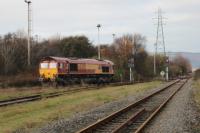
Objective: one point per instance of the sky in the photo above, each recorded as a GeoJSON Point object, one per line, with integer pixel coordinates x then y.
{"type": "Point", "coordinates": [80, 17]}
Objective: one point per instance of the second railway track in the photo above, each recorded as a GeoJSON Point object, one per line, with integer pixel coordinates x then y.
{"type": "Point", "coordinates": [133, 118]}
{"type": "Point", "coordinates": [40, 96]}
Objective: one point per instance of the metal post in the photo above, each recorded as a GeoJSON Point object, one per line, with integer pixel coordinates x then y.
{"type": "Point", "coordinates": [167, 75]}
{"type": "Point", "coordinates": [167, 68]}
{"type": "Point", "coordinates": [29, 34]}
{"type": "Point", "coordinates": [99, 47]}
{"type": "Point", "coordinates": [154, 64]}
{"type": "Point", "coordinates": [29, 31]}
{"type": "Point", "coordinates": [130, 74]}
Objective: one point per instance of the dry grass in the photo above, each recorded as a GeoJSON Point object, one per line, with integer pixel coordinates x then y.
{"type": "Point", "coordinates": [34, 114]}
{"type": "Point", "coordinates": [18, 78]}
{"type": "Point", "coordinates": [196, 85]}
{"type": "Point", "coordinates": [25, 91]}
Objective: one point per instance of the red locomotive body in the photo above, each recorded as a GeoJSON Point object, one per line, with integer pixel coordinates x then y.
{"type": "Point", "coordinates": [74, 69]}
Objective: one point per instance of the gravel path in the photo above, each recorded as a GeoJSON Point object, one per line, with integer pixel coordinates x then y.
{"type": "Point", "coordinates": [81, 120]}
{"type": "Point", "coordinates": [179, 116]}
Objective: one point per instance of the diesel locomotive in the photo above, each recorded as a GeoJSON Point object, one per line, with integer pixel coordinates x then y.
{"type": "Point", "coordinates": [68, 70]}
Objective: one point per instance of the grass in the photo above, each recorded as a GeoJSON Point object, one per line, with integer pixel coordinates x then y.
{"type": "Point", "coordinates": [25, 91]}
{"type": "Point", "coordinates": [196, 86]}
{"type": "Point", "coordinates": [31, 115]}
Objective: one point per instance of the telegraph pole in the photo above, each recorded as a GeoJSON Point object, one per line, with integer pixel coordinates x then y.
{"type": "Point", "coordinates": [99, 46]}
{"type": "Point", "coordinates": [29, 31]}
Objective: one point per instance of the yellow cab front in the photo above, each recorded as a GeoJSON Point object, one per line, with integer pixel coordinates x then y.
{"type": "Point", "coordinates": [48, 71]}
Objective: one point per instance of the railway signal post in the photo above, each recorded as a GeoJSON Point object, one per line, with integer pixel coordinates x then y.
{"type": "Point", "coordinates": [131, 65]}
{"type": "Point", "coordinates": [167, 68]}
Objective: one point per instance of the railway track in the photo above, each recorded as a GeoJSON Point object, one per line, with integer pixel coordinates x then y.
{"type": "Point", "coordinates": [133, 118]}
{"type": "Point", "coordinates": [40, 96]}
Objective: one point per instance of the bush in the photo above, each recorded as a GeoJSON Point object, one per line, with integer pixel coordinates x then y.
{"type": "Point", "coordinates": [197, 74]}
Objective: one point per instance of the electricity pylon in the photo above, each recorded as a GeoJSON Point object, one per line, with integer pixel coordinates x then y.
{"type": "Point", "coordinates": [160, 41]}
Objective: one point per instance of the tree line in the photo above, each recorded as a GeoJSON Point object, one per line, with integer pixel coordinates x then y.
{"type": "Point", "coordinates": [125, 51]}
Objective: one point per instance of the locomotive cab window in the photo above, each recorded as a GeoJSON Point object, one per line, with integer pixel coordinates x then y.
{"type": "Point", "coordinates": [73, 67]}
{"type": "Point", "coordinates": [43, 65]}
{"type": "Point", "coordinates": [60, 65]}
{"type": "Point", "coordinates": [52, 65]}
{"type": "Point", "coordinates": [105, 69]}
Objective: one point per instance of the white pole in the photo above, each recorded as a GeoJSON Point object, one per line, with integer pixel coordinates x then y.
{"type": "Point", "coordinates": [167, 75]}
{"type": "Point", "coordinates": [29, 34]}
{"type": "Point", "coordinates": [99, 47]}
{"type": "Point", "coordinates": [29, 30]}
{"type": "Point", "coordinates": [167, 68]}
{"type": "Point", "coordinates": [130, 74]}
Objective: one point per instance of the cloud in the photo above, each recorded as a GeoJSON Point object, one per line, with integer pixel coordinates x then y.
{"type": "Point", "coordinates": [72, 17]}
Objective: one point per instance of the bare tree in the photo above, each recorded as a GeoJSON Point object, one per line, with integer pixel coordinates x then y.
{"type": "Point", "coordinates": [7, 48]}
{"type": "Point", "coordinates": [125, 48]}
{"type": "Point", "coordinates": [183, 63]}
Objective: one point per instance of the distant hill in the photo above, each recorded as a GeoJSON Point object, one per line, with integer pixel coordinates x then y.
{"type": "Point", "coordinates": [193, 57]}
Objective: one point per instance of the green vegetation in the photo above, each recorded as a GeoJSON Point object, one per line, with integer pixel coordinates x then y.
{"type": "Point", "coordinates": [13, 55]}
{"type": "Point", "coordinates": [34, 114]}
{"type": "Point", "coordinates": [24, 91]}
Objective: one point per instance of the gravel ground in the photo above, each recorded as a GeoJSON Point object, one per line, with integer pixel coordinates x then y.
{"type": "Point", "coordinates": [81, 120]}
{"type": "Point", "coordinates": [179, 116]}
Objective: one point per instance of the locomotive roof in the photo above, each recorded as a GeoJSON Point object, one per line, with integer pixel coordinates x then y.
{"type": "Point", "coordinates": [78, 60]}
